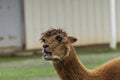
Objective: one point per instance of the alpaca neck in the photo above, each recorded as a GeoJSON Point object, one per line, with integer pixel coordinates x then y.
{"type": "Point", "coordinates": [71, 68]}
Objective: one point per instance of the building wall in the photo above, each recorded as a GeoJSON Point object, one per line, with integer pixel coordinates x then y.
{"type": "Point", "coordinates": [87, 20]}
{"type": "Point", "coordinates": [10, 24]}
{"type": "Point", "coordinates": [118, 19]}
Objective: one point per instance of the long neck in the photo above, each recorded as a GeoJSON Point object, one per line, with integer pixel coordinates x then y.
{"type": "Point", "coordinates": [71, 68]}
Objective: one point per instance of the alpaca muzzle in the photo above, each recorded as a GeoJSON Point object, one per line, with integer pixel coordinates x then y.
{"type": "Point", "coordinates": [46, 54]}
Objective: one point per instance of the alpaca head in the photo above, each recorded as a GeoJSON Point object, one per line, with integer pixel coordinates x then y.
{"type": "Point", "coordinates": [56, 44]}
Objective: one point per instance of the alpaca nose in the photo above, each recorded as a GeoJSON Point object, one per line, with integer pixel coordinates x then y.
{"type": "Point", "coordinates": [45, 46]}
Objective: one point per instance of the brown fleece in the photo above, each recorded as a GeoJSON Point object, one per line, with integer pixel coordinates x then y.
{"type": "Point", "coordinates": [69, 67]}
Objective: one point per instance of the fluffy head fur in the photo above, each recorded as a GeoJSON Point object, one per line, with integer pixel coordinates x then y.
{"type": "Point", "coordinates": [56, 44]}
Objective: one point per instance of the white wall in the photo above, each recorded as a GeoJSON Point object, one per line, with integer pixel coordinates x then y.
{"type": "Point", "coordinates": [118, 19]}
{"type": "Point", "coordinates": [88, 20]}
{"type": "Point", "coordinates": [11, 24]}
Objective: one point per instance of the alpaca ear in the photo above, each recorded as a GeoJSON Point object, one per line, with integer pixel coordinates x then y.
{"type": "Point", "coordinates": [72, 39]}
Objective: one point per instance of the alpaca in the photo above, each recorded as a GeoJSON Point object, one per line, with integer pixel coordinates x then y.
{"type": "Point", "coordinates": [57, 48]}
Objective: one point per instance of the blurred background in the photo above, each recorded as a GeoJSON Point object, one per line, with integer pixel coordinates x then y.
{"type": "Point", "coordinates": [95, 23]}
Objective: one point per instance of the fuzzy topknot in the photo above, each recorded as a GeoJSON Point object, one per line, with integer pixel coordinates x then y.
{"type": "Point", "coordinates": [53, 31]}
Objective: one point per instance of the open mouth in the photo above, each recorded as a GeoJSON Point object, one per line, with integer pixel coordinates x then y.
{"type": "Point", "coordinates": [47, 55]}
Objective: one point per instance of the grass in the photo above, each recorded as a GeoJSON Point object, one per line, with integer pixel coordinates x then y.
{"type": "Point", "coordinates": [14, 58]}
{"type": "Point", "coordinates": [97, 50]}
{"type": "Point", "coordinates": [14, 68]}
{"type": "Point", "coordinates": [24, 67]}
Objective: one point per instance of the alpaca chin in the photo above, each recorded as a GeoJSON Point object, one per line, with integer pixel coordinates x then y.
{"type": "Point", "coordinates": [55, 57]}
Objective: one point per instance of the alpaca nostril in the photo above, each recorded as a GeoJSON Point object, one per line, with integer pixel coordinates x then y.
{"type": "Point", "coordinates": [45, 46]}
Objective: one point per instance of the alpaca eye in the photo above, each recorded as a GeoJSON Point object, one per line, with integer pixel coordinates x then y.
{"type": "Point", "coordinates": [59, 38]}
{"type": "Point", "coordinates": [43, 40]}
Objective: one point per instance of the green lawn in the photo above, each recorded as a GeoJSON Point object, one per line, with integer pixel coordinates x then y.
{"type": "Point", "coordinates": [13, 68]}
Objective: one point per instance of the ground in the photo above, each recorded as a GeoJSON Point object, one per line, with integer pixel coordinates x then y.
{"type": "Point", "coordinates": [35, 68]}
{"type": "Point", "coordinates": [39, 78]}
